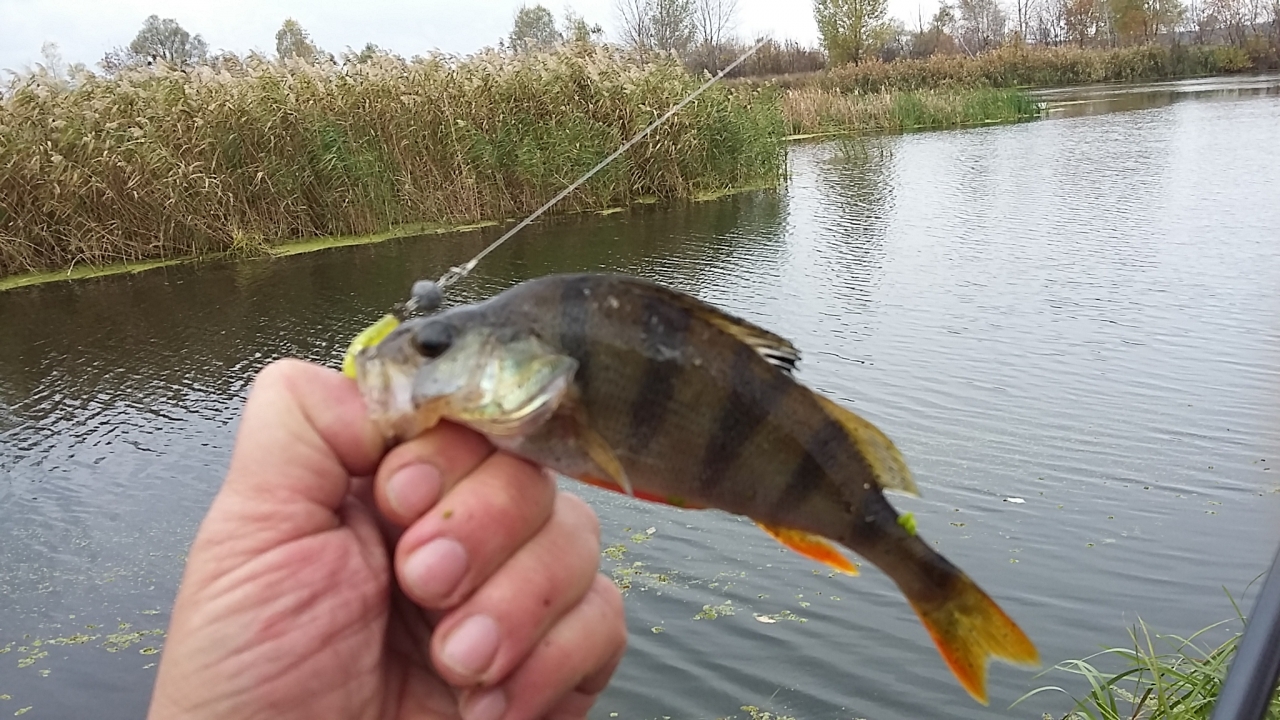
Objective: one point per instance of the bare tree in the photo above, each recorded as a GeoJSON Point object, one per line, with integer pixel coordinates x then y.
{"type": "Point", "coordinates": [1235, 17]}
{"type": "Point", "coordinates": [982, 24]}
{"type": "Point", "coordinates": [1048, 23]}
{"type": "Point", "coordinates": [634, 27]}
{"type": "Point", "coordinates": [665, 25]}
{"type": "Point", "coordinates": [673, 25]}
{"type": "Point", "coordinates": [714, 20]}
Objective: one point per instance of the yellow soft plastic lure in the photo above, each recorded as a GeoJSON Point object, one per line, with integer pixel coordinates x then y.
{"type": "Point", "coordinates": [371, 335]}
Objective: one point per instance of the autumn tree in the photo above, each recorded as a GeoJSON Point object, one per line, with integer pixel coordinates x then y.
{"type": "Point", "coordinates": [166, 40]}
{"type": "Point", "coordinates": [663, 25]}
{"type": "Point", "coordinates": [848, 27]}
{"type": "Point", "coordinates": [1084, 20]}
{"type": "Point", "coordinates": [292, 41]}
{"type": "Point", "coordinates": [714, 21]}
{"type": "Point", "coordinates": [936, 38]}
{"type": "Point", "coordinates": [1047, 22]}
{"type": "Point", "coordinates": [981, 24]}
{"type": "Point", "coordinates": [578, 30]}
{"type": "Point", "coordinates": [534, 29]}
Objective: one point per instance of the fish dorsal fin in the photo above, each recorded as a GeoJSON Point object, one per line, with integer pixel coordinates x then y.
{"type": "Point", "coordinates": [811, 546]}
{"type": "Point", "coordinates": [777, 350]}
{"type": "Point", "coordinates": [887, 464]}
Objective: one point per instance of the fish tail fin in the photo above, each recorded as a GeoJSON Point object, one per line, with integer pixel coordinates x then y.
{"type": "Point", "coordinates": [970, 629]}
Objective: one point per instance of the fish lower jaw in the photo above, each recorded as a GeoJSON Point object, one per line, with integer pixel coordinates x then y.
{"type": "Point", "coordinates": [388, 396]}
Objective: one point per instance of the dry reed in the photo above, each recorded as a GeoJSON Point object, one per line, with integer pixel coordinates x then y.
{"type": "Point", "coordinates": [1022, 66]}
{"type": "Point", "coordinates": [162, 163]}
{"type": "Point", "coordinates": [815, 110]}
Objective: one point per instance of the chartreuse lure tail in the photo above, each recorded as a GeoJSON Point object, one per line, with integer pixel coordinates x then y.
{"type": "Point", "coordinates": [371, 335]}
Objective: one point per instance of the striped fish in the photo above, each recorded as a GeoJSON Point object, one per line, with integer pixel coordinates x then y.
{"type": "Point", "coordinates": [627, 385]}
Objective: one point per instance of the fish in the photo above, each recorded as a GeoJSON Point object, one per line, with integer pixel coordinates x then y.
{"type": "Point", "coordinates": [628, 385]}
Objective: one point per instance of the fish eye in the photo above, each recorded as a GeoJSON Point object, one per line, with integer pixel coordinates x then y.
{"type": "Point", "coordinates": [433, 339]}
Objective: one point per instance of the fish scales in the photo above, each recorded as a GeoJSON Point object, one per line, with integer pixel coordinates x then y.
{"type": "Point", "coordinates": [657, 377]}
{"type": "Point", "coordinates": [628, 385]}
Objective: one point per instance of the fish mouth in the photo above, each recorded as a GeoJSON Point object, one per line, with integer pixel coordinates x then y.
{"type": "Point", "coordinates": [387, 388]}
{"type": "Point", "coordinates": [501, 388]}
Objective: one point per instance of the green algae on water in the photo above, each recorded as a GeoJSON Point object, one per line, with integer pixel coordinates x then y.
{"type": "Point", "coordinates": [711, 612]}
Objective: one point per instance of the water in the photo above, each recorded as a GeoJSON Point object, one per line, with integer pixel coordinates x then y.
{"type": "Point", "coordinates": [1080, 313]}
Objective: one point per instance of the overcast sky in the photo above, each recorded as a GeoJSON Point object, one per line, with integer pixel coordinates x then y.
{"type": "Point", "coordinates": [85, 29]}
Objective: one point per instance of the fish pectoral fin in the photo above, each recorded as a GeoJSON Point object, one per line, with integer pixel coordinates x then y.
{"type": "Point", "coordinates": [602, 455]}
{"type": "Point", "coordinates": [887, 464]}
{"type": "Point", "coordinates": [811, 546]}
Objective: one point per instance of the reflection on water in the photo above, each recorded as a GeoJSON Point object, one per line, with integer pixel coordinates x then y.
{"type": "Point", "coordinates": [1079, 314]}
{"type": "Point", "coordinates": [1100, 99]}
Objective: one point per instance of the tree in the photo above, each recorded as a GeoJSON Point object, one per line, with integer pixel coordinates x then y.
{"type": "Point", "coordinates": [1048, 22]}
{"type": "Point", "coordinates": [1084, 20]}
{"type": "Point", "coordinates": [664, 25]}
{"type": "Point", "coordinates": [713, 21]}
{"type": "Point", "coordinates": [937, 37]}
{"type": "Point", "coordinates": [982, 24]}
{"type": "Point", "coordinates": [534, 29]}
{"type": "Point", "coordinates": [293, 42]}
{"type": "Point", "coordinates": [578, 30]}
{"type": "Point", "coordinates": [848, 27]}
{"type": "Point", "coordinates": [673, 25]}
{"type": "Point", "coordinates": [166, 40]}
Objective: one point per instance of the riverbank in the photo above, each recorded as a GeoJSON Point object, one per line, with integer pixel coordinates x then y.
{"type": "Point", "coordinates": [1023, 66]}
{"type": "Point", "coordinates": [1161, 677]}
{"type": "Point", "coordinates": [255, 157]}
{"type": "Point", "coordinates": [815, 111]}
{"type": "Point", "coordinates": [160, 163]}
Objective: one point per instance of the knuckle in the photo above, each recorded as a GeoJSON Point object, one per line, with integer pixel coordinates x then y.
{"type": "Point", "coordinates": [582, 514]}
{"type": "Point", "coordinates": [612, 608]}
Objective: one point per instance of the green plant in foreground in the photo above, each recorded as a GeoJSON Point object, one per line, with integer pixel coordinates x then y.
{"type": "Point", "coordinates": [1181, 683]}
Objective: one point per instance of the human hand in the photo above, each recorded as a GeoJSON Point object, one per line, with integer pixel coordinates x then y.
{"type": "Point", "coordinates": [287, 608]}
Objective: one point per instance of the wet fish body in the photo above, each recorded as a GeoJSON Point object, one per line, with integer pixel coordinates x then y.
{"type": "Point", "coordinates": [626, 384]}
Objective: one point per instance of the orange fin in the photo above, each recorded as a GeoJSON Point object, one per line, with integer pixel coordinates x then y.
{"type": "Point", "coordinates": [970, 629]}
{"type": "Point", "coordinates": [638, 494]}
{"type": "Point", "coordinates": [811, 546]}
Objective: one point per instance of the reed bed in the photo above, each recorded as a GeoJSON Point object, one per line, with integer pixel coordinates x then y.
{"type": "Point", "coordinates": [816, 110]}
{"type": "Point", "coordinates": [162, 163]}
{"type": "Point", "coordinates": [1020, 66]}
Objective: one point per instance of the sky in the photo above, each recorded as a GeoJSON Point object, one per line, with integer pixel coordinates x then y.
{"type": "Point", "coordinates": [85, 29]}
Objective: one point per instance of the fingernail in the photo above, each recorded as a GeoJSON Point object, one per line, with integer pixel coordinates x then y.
{"type": "Point", "coordinates": [487, 705]}
{"type": "Point", "coordinates": [471, 647]}
{"type": "Point", "coordinates": [413, 490]}
{"type": "Point", "coordinates": [434, 570]}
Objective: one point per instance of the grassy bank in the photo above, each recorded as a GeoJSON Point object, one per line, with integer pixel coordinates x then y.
{"type": "Point", "coordinates": [163, 163]}
{"type": "Point", "coordinates": [1161, 677]}
{"type": "Point", "coordinates": [1019, 66]}
{"type": "Point", "coordinates": [242, 157]}
{"type": "Point", "coordinates": [814, 111]}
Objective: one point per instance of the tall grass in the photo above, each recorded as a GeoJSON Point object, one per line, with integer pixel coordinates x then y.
{"type": "Point", "coordinates": [1165, 677]}
{"type": "Point", "coordinates": [161, 162]}
{"type": "Point", "coordinates": [816, 110]}
{"type": "Point", "coordinates": [1021, 66]}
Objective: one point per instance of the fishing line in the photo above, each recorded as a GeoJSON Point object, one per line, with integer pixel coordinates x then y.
{"type": "Point", "coordinates": [425, 297]}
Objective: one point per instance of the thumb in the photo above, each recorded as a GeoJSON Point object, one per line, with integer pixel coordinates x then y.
{"type": "Point", "coordinates": [303, 435]}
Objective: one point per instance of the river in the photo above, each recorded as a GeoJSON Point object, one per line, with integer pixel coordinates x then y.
{"type": "Point", "coordinates": [1070, 327]}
